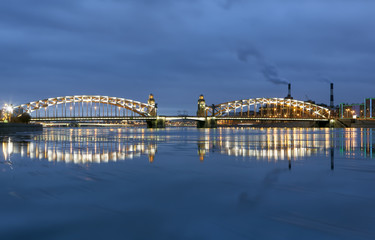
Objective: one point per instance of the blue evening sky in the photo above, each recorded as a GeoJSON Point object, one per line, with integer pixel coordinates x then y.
{"type": "Point", "coordinates": [179, 49]}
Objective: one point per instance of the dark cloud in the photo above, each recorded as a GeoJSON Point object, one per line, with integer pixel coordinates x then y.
{"type": "Point", "coordinates": [180, 49]}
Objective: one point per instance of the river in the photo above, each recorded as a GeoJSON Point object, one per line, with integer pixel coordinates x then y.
{"type": "Point", "coordinates": [187, 183]}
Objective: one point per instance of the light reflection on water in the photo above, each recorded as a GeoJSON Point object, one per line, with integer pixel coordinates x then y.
{"type": "Point", "coordinates": [226, 183]}
{"type": "Point", "coordinates": [274, 145]}
{"type": "Point", "coordinates": [81, 146]}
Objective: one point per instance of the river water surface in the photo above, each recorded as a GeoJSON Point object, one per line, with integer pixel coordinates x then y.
{"type": "Point", "coordinates": [186, 183]}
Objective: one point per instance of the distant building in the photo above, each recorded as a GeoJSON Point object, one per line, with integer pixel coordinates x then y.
{"type": "Point", "coordinates": [351, 110]}
{"type": "Point", "coordinates": [369, 107]}
{"type": "Point", "coordinates": [364, 110]}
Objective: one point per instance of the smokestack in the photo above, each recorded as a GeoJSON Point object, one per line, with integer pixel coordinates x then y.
{"type": "Point", "coordinates": [331, 101]}
{"type": "Point", "coordinates": [289, 92]}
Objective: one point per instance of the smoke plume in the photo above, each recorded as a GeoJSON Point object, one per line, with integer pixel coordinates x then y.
{"type": "Point", "coordinates": [268, 70]}
{"type": "Point", "coordinates": [228, 4]}
{"type": "Point", "coordinates": [324, 79]}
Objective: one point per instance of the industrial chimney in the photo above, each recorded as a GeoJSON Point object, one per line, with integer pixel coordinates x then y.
{"type": "Point", "coordinates": [331, 101]}
{"type": "Point", "coordinates": [289, 92]}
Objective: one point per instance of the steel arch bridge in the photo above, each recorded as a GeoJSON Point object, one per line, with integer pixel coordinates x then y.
{"type": "Point", "coordinates": [88, 106]}
{"type": "Point", "coordinates": [268, 108]}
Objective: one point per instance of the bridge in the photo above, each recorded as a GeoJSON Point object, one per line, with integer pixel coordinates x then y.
{"type": "Point", "coordinates": [104, 109]}
{"type": "Point", "coordinates": [262, 109]}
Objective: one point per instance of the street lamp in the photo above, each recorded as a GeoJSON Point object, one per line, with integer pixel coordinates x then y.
{"type": "Point", "coordinates": [9, 108]}
{"type": "Point", "coordinates": [8, 112]}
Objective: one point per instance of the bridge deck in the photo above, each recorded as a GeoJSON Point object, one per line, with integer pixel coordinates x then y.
{"type": "Point", "coordinates": [167, 118]}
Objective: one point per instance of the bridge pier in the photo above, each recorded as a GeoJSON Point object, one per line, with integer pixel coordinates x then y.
{"type": "Point", "coordinates": [157, 123]}
{"type": "Point", "coordinates": [209, 122]}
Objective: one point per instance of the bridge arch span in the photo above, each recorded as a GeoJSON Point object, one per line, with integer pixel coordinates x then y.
{"type": "Point", "coordinates": [269, 107]}
{"type": "Point", "coordinates": [86, 104]}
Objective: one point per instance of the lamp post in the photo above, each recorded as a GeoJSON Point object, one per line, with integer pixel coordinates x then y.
{"type": "Point", "coordinates": [8, 112]}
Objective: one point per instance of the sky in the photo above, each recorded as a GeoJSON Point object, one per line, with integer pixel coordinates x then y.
{"type": "Point", "coordinates": [178, 49]}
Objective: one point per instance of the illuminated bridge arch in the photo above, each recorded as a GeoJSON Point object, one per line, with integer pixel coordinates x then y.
{"type": "Point", "coordinates": [87, 105]}
{"type": "Point", "coordinates": [269, 108]}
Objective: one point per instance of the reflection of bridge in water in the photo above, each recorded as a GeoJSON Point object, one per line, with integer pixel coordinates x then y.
{"type": "Point", "coordinates": [81, 146]}
{"type": "Point", "coordinates": [77, 147]}
{"type": "Point", "coordinates": [77, 153]}
{"type": "Point", "coordinates": [278, 144]}
{"type": "Point", "coordinates": [274, 144]}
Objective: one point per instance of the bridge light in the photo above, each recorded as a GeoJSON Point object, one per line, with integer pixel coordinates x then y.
{"type": "Point", "coordinates": [8, 108]}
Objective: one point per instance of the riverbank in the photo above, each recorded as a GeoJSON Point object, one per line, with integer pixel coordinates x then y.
{"type": "Point", "coordinates": [355, 123]}
{"type": "Point", "coordinates": [336, 123]}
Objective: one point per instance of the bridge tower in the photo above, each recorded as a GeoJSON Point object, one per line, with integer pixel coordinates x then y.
{"type": "Point", "coordinates": [201, 107]}
{"type": "Point", "coordinates": [151, 101]}
{"type": "Point", "coordinates": [159, 122]}
{"type": "Point", "coordinates": [208, 122]}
